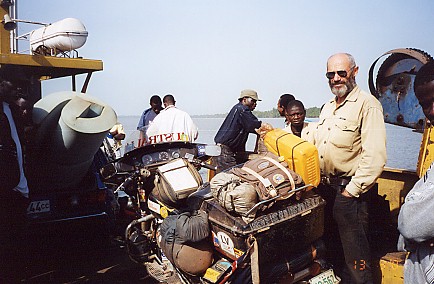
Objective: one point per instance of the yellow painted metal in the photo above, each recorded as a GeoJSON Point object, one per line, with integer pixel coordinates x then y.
{"type": "Point", "coordinates": [50, 66]}
{"type": "Point", "coordinates": [392, 268]}
{"type": "Point", "coordinates": [394, 184]}
{"type": "Point", "coordinates": [210, 174]}
{"type": "Point", "coordinates": [426, 153]}
{"type": "Point", "coordinates": [5, 41]}
{"type": "Point", "coordinates": [51, 61]}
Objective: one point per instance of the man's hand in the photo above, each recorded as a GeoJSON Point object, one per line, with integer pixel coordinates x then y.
{"type": "Point", "coordinates": [119, 136]}
{"type": "Point", "coordinates": [264, 129]}
{"type": "Point", "coordinates": [346, 194]}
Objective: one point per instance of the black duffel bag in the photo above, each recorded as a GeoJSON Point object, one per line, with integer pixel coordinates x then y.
{"type": "Point", "coordinates": [185, 241]}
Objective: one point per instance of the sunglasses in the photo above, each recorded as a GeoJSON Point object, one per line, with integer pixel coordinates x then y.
{"type": "Point", "coordinates": [251, 100]}
{"type": "Point", "coordinates": [341, 73]}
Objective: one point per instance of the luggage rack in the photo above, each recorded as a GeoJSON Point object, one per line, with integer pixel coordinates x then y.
{"type": "Point", "coordinates": [299, 224]}
{"type": "Point", "coordinates": [290, 192]}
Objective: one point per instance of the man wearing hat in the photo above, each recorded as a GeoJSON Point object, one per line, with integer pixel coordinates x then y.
{"type": "Point", "coordinates": [233, 133]}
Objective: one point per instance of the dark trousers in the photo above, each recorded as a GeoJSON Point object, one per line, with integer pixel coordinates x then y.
{"type": "Point", "coordinates": [346, 234]}
{"type": "Point", "coordinates": [13, 208]}
{"type": "Point", "coordinates": [227, 159]}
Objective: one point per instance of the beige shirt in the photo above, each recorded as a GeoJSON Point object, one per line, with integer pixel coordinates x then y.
{"type": "Point", "coordinates": [305, 132]}
{"type": "Point", "coordinates": [351, 140]}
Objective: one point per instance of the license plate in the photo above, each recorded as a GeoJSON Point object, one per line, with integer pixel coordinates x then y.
{"type": "Point", "coordinates": [39, 206]}
{"type": "Point", "coordinates": [153, 206]}
{"type": "Point", "coordinates": [326, 277]}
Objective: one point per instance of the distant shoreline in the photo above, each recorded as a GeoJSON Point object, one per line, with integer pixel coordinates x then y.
{"type": "Point", "coordinates": [312, 112]}
{"type": "Point", "coordinates": [214, 116]}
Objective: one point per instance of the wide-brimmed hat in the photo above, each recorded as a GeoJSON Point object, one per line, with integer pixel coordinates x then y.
{"type": "Point", "coordinates": [249, 94]}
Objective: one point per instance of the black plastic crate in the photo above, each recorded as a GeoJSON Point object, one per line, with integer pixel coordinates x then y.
{"type": "Point", "coordinates": [285, 229]}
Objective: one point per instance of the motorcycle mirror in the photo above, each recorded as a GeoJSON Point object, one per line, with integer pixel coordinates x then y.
{"type": "Point", "coordinates": [108, 171]}
{"type": "Point", "coordinates": [213, 150]}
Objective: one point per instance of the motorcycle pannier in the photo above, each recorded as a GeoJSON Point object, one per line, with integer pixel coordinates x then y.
{"type": "Point", "coordinates": [176, 180]}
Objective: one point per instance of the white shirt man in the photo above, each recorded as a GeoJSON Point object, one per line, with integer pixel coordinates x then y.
{"type": "Point", "coordinates": [172, 124]}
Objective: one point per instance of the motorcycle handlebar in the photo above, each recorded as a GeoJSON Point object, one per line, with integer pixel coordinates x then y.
{"type": "Point", "coordinates": [208, 166]}
{"type": "Point", "coordinates": [125, 184]}
{"type": "Point", "coordinates": [146, 173]}
{"type": "Point", "coordinates": [202, 164]}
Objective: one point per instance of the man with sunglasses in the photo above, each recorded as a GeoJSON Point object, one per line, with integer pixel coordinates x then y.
{"type": "Point", "coordinates": [351, 141]}
{"type": "Point", "coordinates": [234, 131]}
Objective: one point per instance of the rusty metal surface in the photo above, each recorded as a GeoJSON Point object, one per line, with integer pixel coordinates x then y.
{"type": "Point", "coordinates": [394, 87]}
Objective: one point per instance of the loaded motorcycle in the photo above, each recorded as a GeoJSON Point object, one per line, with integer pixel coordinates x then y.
{"type": "Point", "coordinates": [181, 233]}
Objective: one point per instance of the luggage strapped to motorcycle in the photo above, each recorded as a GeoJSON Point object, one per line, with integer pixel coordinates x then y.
{"type": "Point", "coordinates": [270, 187]}
{"type": "Point", "coordinates": [252, 245]}
{"type": "Point", "coordinates": [176, 180]}
{"type": "Point", "coordinates": [266, 182]}
{"type": "Point", "coordinates": [274, 198]}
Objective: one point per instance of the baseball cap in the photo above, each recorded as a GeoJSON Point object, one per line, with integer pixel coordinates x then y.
{"type": "Point", "coordinates": [249, 94]}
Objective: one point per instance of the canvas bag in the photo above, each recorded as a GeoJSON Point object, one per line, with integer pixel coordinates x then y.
{"type": "Point", "coordinates": [184, 240]}
{"type": "Point", "coordinates": [9, 167]}
{"type": "Point", "coordinates": [269, 176]}
{"type": "Point", "coordinates": [176, 180]}
{"type": "Point", "coordinates": [234, 195]}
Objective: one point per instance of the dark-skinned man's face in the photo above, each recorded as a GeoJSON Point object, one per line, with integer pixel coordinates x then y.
{"type": "Point", "coordinates": [425, 95]}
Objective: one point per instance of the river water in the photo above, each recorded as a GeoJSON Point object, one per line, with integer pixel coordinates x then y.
{"type": "Point", "coordinates": [402, 143]}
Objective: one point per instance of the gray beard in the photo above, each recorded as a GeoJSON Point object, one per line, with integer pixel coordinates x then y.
{"type": "Point", "coordinates": [348, 87]}
{"type": "Point", "coordinates": [340, 92]}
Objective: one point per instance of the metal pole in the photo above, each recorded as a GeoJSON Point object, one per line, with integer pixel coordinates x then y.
{"type": "Point", "coordinates": [14, 40]}
{"type": "Point", "coordinates": [73, 84]}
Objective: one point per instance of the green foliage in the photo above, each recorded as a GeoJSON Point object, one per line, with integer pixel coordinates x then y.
{"type": "Point", "coordinates": [267, 114]}
{"type": "Point", "coordinates": [218, 115]}
{"type": "Point", "coordinates": [313, 112]}
{"type": "Point", "coordinates": [310, 112]}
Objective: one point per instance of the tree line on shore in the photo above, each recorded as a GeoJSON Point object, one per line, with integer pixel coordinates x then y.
{"type": "Point", "coordinates": [310, 112]}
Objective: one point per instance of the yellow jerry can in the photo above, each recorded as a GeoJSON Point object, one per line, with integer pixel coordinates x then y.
{"type": "Point", "coordinates": [300, 155]}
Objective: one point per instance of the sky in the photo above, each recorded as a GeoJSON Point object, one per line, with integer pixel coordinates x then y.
{"type": "Point", "coordinates": [205, 52]}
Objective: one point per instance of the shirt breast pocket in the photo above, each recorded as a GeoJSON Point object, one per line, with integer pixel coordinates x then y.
{"type": "Point", "coordinates": [344, 134]}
